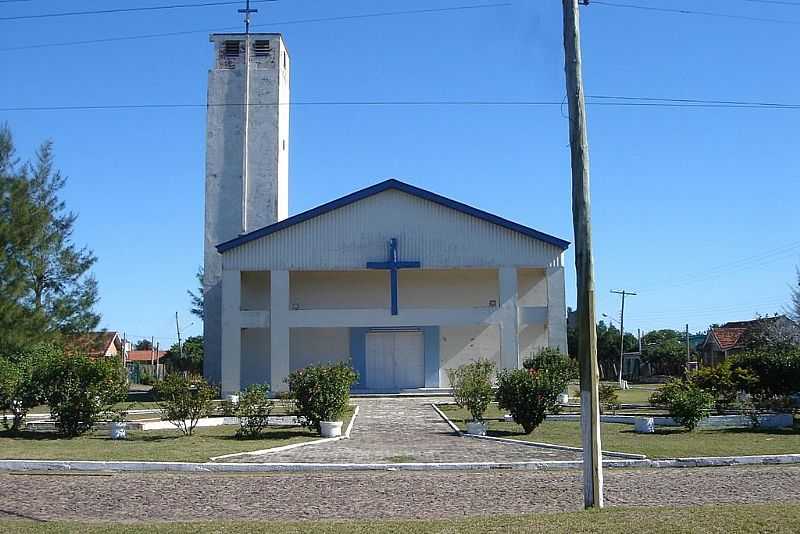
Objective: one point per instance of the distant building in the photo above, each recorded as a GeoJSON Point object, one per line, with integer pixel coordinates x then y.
{"type": "Point", "coordinates": [731, 337]}
{"type": "Point", "coordinates": [103, 344]}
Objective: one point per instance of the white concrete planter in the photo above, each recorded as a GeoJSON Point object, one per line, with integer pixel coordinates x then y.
{"type": "Point", "coordinates": [644, 425]}
{"type": "Point", "coordinates": [330, 429]}
{"type": "Point", "coordinates": [563, 398]}
{"type": "Point", "coordinates": [476, 428]}
{"type": "Point", "coordinates": [119, 430]}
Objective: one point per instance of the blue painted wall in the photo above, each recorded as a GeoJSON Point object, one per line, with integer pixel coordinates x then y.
{"type": "Point", "coordinates": [358, 352]}
{"type": "Point", "coordinates": [430, 336]}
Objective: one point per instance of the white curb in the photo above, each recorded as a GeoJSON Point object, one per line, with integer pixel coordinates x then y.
{"type": "Point", "coordinates": [452, 425]}
{"type": "Point", "coordinates": [291, 446]}
{"type": "Point", "coordinates": [212, 467]}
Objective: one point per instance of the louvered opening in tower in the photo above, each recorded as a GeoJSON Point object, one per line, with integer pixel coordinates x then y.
{"type": "Point", "coordinates": [261, 48]}
{"type": "Point", "coordinates": [231, 49]}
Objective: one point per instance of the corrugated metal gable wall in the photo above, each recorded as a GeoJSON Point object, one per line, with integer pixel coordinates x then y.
{"type": "Point", "coordinates": [348, 237]}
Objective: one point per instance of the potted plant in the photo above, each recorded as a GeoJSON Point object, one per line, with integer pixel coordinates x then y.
{"type": "Point", "coordinates": [118, 423]}
{"type": "Point", "coordinates": [322, 394]}
{"type": "Point", "coordinates": [472, 390]}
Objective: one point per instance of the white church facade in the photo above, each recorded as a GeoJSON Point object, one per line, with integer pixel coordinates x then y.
{"type": "Point", "coordinates": [401, 282]}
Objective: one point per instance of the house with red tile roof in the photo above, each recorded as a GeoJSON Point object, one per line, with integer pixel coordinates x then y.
{"type": "Point", "coordinates": [731, 337]}
{"type": "Point", "coordinates": [103, 344]}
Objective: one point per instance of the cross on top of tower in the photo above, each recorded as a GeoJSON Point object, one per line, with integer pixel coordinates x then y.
{"type": "Point", "coordinates": [247, 11]}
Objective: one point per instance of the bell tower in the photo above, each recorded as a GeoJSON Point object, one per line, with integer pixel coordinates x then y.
{"type": "Point", "coordinates": [247, 157]}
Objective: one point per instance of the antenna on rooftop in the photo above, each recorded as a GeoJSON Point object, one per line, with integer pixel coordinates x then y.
{"type": "Point", "coordinates": [247, 11]}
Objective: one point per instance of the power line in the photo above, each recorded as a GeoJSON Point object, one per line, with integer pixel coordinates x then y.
{"type": "Point", "coordinates": [378, 14]}
{"type": "Point", "coordinates": [778, 2]}
{"type": "Point", "coordinates": [622, 101]}
{"type": "Point", "coordinates": [749, 262]}
{"type": "Point", "coordinates": [127, 10]}
{"type": "Point", "coordinates": [694, 12]}
{"type": "Point", "coordinates": [693, 101]}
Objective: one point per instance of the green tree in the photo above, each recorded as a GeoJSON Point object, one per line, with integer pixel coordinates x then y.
{"type": "Point", "coordinates": [665, 351]}
{"type": "Point", "coordinates": [143, 344]}
{"type": "Point", "coordinates": [192, 355]}
{"type": "Point", "coordinates": [608, 347]}
{"type": "Point", "coordinates": [47, 288]}
{"type": "Point", "coordinates": [198, 300]}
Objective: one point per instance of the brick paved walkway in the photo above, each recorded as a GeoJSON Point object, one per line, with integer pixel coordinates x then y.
{"type": "Point", "coordinates": [385, 494]}
{"type": "Point", "coordinates": [407, 429]}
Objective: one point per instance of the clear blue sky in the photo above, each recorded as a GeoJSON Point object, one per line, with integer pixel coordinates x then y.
{"type": "Point", "coordinates": [694, 208]}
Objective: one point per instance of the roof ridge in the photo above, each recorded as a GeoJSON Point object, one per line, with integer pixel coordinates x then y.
{"type": "Point", "coordinates": [385, 185]}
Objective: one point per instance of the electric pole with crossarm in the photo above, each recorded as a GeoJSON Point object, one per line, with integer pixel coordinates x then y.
{"type": "Point", "coordinates": [584, 262]}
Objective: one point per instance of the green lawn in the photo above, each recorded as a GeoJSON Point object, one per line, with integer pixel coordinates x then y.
{"type": "Point", "coordinates": [765, 518]}
{"type": "Point", "coordinates": [151, 445]}
{"type": "Point", "coordinates": [665, 443]}
{"type": "Point", "coordinates": [638, 394]}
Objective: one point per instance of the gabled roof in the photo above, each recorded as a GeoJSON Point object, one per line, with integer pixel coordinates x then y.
{"type": "Point", "coordinates": [94, 343]}
{"type": "Point", "coordinates": [379, 188]}
{"type": "Point", "coordinates": [728, 338]}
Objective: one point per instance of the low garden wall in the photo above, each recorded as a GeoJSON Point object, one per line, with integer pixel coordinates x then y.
{"type": "Point", "coordinates": [779, 420]}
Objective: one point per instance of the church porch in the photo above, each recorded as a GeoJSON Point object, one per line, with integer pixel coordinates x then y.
{"type": "Point", "coordinates": [444, 318]}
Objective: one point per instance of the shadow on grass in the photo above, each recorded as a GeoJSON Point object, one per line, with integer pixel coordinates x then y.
{"type": "Point", "coordinates": [30, 435]}
{"type": "Point", "coordinates": [278, 434]}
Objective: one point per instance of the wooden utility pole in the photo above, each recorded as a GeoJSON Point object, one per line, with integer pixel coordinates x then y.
{"type": "Point", "coordinates": [178, 328]}
{"type": "Point", "coordinates": [688, 351]}
{"type": "Point", "coordinates": [584, 263]}
{"type": "Point", "coordinates": [622, 331]}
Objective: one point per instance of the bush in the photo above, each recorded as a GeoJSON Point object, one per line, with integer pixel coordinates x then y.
{"type": "Point", "coordinates": [321, 392]}
{"type": "Point", "coordinates": [184, 400]}
{"type": "Point", "coordinates": [777, 371]}
{"type": "Point", "coordinates": [79, 390]}
{"type": "Point", "coordinates": [556, 363]}
{"type": "Point", "coordinates": [687, 403]}
{"type": "Point", "coordinates": [723, 382]}
{"type": "Point", "coordinates": [20, 390]}
{"type": "Point", "coordinates": [529, 393]}
{"type": "Point", "coordinates": [472, 386]}
{"type": "Point", "coordinates": [609, 399]}
{"type": "Point", "coordinates": [253, 411]}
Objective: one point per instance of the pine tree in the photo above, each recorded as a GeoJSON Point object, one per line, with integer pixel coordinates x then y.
{"type": "Point", "coordinates": [46, 289]}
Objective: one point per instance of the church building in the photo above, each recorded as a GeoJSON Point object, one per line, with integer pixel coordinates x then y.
{"type": "Point", "coordinates": [402, 282]}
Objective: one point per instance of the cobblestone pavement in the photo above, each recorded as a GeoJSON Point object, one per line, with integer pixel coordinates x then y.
{"type": "Point", "coordinates": [384, 494]}
{"type": "Point", "coordinates": [407, 429]}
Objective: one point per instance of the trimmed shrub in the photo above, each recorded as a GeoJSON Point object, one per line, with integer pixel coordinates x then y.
{"type": "Point", "coordinates": [321, 392]}
{"type": "Point", "coordinates": [687, 403]}
{"type": "Point", "coordinates": [79, 390]}
{"type": "Point", "coordinates": [184, 400]}
{"type": "Point", "coordinates": [528, 394]}
{"type": "Point", "coordinates": [472, 386]}
{"type": "Point", "coordinates": [554, 361]}
{"type": "Point", "coordinates": [253, 411]}
{"type": "Point", "coordinates": [723, 382]}
{"type": "Point", "coordinates": [20, 390]}
{"type": "Point", "coordinates": [609, 399]}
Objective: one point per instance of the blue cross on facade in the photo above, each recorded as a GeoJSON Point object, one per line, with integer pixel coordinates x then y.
{"type": "Point", "coordinates": [393, 265]}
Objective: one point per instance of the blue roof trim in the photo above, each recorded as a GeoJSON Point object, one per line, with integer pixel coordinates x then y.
{"type": "Point", "coordinates": [379, 188]}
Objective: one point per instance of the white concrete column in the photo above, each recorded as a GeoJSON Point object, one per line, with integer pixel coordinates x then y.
{"type": "Point", "coordinates": [509, 318]}
{"type": "Point", "coordinates": [231, 331]}
{"type": "Point", "coordinates": [279, 330]}
{"type": "Point", "coordinates": [556, 309]}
